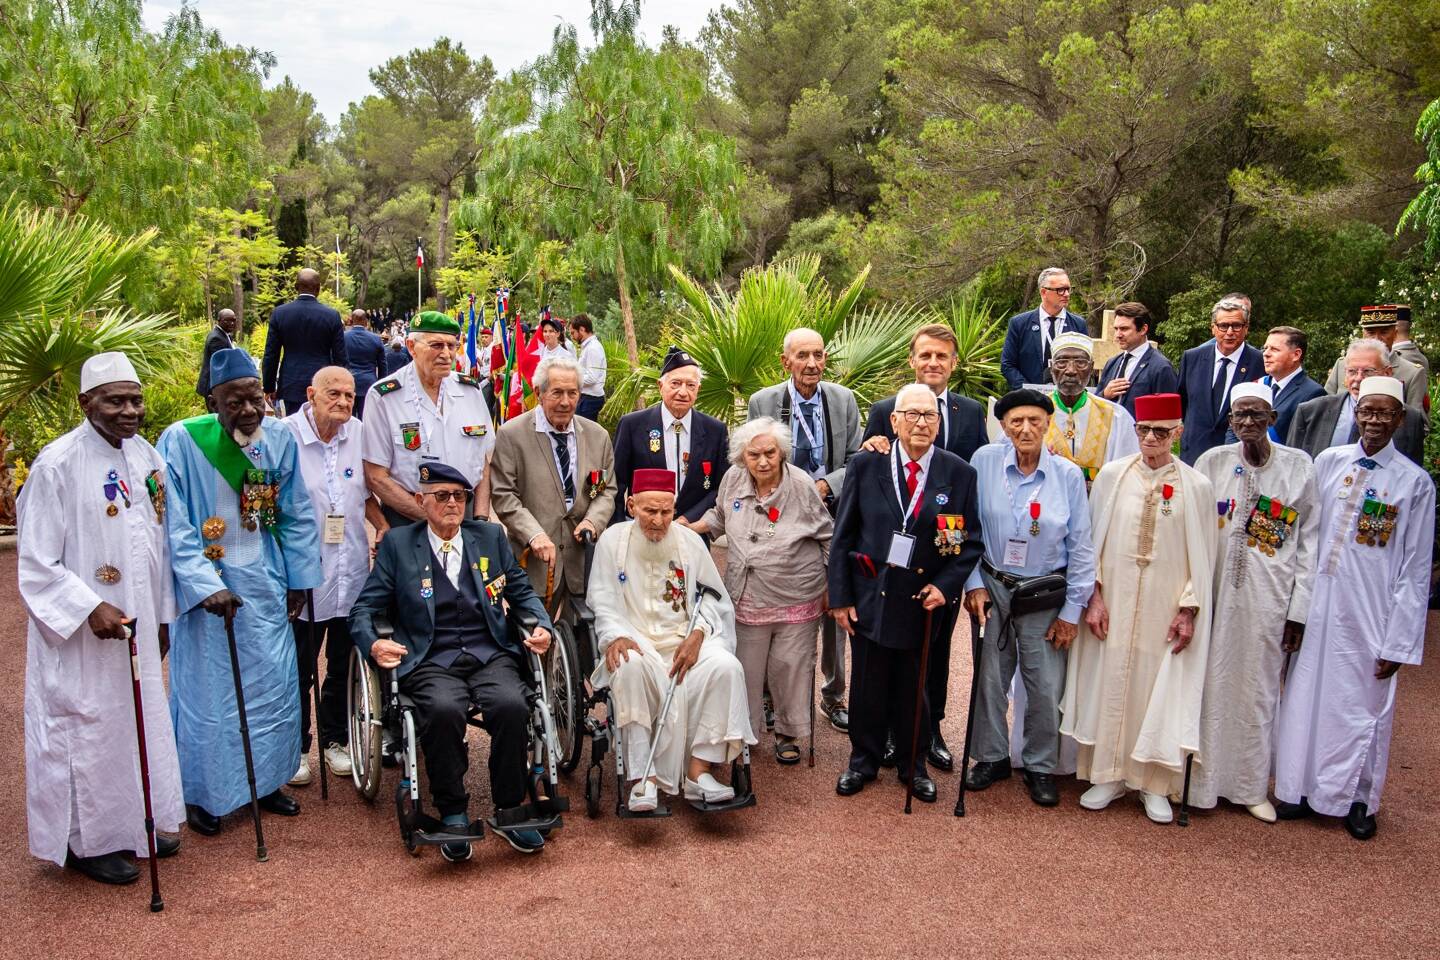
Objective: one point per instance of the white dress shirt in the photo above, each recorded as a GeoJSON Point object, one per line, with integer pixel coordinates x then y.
{"type": "Point", "coordinates": [334, 477]}
{"type": "Point", "coordinates": [1234, 358]}
{"type": "Point", "coordinates": [592, 367]}
{"type": "Point", "coordinates": [1127, 367]}
{"type": "Point", "coordinates": [667, 442]}
{"type": "Point", "coordinates": [542, 427]}
{"type": "Point", "coordinates": [450, 558]}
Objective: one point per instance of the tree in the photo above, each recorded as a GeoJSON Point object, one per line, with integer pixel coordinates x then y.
{"type": "Point", "coordinates": [1423, 212]}
{"type": "Point", "coordinates": [213, 252]}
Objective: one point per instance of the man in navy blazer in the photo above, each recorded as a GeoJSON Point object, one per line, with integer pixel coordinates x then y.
{"type": "Point", "coordinates": [304, 336]}
{"type": "Point", "coordinates": [1207, 373]}
{"type": "Point", "coordinates": [1025, 358]}
{"type": "Point", "coordinates": [674, 436]}
{"type": "Point", "coordinates": [1140, 369]}
{"type": "Point", "coordinates": [365, 354]}
{"type": "Point", "coordinates": [908, 528]}
{"type": "Point", "coordinates": [1283, 357]}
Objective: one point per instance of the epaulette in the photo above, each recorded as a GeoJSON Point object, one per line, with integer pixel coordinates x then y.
{"type": "Point", "coordinates": [387, 386]}
{"type": "Point", "coordinates": [468, 380]}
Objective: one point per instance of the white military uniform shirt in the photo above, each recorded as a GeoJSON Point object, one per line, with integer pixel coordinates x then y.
{"type": "Point", "coordinates": [404, 429]}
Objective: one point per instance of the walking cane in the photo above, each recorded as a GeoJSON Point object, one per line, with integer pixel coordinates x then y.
{"type": "Point", "coordinates": [919, 702]}
{"type": "Point", "coordinates": [156, 904]}
{"type": "Point", "coordinates": [260, 853]}
{"type": "Point", "coordinates": [812, 700]}
{"type": "Point", "coordinates": [315, 691]}
{"type": "Point", "coordinates": [977, 641]}
{"type": "Point", "coordinates": [1184, 818]}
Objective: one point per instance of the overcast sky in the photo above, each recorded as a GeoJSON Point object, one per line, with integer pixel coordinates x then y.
{"type": "Point", "coordinates": [327, 47]}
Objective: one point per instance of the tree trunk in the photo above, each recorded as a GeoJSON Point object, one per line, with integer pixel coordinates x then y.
{"type": "Point", "coordinates": [632, 349]}
{"type": "Point", "coordinates": [237, 294]}
{"type": "Point", "coordinates": [441, 236]}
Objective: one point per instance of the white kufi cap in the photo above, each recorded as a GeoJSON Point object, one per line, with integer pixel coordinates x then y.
{"type": "Point", "coordinates": [1384, 386]}
{"type": "Point", "coordinates": [1072, 338]}
{"type": "Point", "coordinates": [1254, 389]}
{"type": "Point", "coordinates": [106, 368]}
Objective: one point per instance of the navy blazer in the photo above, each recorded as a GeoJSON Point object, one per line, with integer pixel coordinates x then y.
{"type": "Point", "coordinates": [216, 339]}
{"type": "Point", "coordinates": [310, 336]}
{"type": "Point", "coordinates": [966, 419]}
{"type": "Point", "coordinates": [709, 443]}
{"type": "Point", "coordinates": [870, 513]}
{"type": "Point", "coordinates": [400, 588]}
{"type": "Point", "coordinates": [1314, 424]}
{"type": "Point", "coordinates": [1022, 359]}
{"type": "Point", "coordinates": [365, 356]}
{"type": "Point", "coordinates": [1152, 373]}
{"type": "Point", "coordinates": [1204, 427]}
{"type": "Point", "coordinates": [1296, 392]}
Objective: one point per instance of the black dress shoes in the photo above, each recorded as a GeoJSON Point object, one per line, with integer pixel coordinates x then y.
{"type": "Point", "coordinates": [1292, 811]}
{"type": "Point", "coordinates": [987, 772]}
{"type": "Point", "coordinates": [1042, 788]}
{"type": "Point", "coordinates": [940, 754]}
{"type": "Point", "coordinates": [887, 759]}
{"type": "Point", "coordinates": [164, 847]}
{"type": "Point", "coordinates": [1359, 822]}
{"type": "Point", "coordinates": [924, 789]}
{"type": "Point", "coordinates": [107, 868]}
{"type": "Point", "coordinates": [280, 804]}
{"type": "Point", "coordinates": [201, 821]}
{"type": "Point", "coordinates": [839, 717]}
{"type": "Point", "coordinates": [851, 783]}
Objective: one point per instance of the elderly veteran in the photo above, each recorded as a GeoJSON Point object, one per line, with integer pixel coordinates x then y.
{"type": "Point", "coordinates": [643, 588]}
{"type": "Point", "coordinates": [779, 535]}
{"type": "Point", "coordinates": [426, 413]}
{"type": "Point", "coordinates": [1086, 429]}
{"type": "Point", "coordinates": [1036, 522]}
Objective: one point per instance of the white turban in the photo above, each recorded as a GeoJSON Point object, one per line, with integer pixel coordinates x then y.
{"type": "Point", "coordinates": [1252, 389]}
{"type": "Point", "coordinates": [106, 368]}
{"type": "Point", "coordinates": [1071, 338]}
{"type": "Point", "coordinates": [1384, 386]}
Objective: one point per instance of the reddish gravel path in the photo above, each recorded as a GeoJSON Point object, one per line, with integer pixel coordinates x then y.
{"type": "Point", "coordinates": [805, 873]}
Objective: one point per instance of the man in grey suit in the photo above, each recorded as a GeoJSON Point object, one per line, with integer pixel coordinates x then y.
{"type": "Point", "coordinates": [1330, 421]}
{"type": "Point", "coordinates": [825, 422]}
{"type": "Point", "coordinates": [552, 479]}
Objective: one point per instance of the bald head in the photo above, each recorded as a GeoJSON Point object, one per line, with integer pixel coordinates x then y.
{"type": "Point", "coordinates": [227, 321]}
{"type": "Point", "coordinates": [308, 281]}
{"type": "Point", "coordinates": [332, 399]}
{"type": "Point", "coordinates": [358, 318]}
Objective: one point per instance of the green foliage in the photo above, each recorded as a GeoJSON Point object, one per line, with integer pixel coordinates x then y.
{"type": "Point", "coordinates": [1423, 212]}
{"type": "Point", "coordinates": [832, 237]}
{"type": "Point", "coordinates": [203, 260]}
{"type": "Point", "coordinates": [980, 328]}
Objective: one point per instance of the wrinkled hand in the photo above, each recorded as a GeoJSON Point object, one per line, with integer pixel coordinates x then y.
{"type": "Point", "coordinates": [930, 597]}
{"type": "Point", "coordinates": [1115, 387]}
{"type": "Point", "coordinates": [1097, 615]}
{"type": "Point", "coordinates": [1385, 669]}
{"type": "Point", "coordinates": [583, 527]}
{"type": "Point", "coordinates": [618, 652]}
{"type": "Point", "coordinates": [1182, 630]}
{"type": "Point", "coordinates": [294, 602]}
{"type": "Point", "coordinates": [844, 618]}
{"type": "Point", "coordinates": [683, 521]}
{"type": "Point", "coordinates": [387, 653]}
{"type": "Point", "coordinates": [543, 549]}
{"type": "Point", "coordinates": [1061, 634]}
{"type": "Point", "coordinates": [822, 488]}
{"type": "Point", "coordinates": [223, 604]}
{"type": "Point", "coordinates": [876, 444]}
{"type": "Point", "coordinates": [686, 656]}
{"type": "Point", "coordinates": [1293, 636]}
{"type": "Point", "coordinates": [976, 602]}
{"type": "Point", "coordinates": [380, 535]}
{"type": "Point", "coordinates": [108, 621]}
{"type": "Point", "coordinates": [538, 641]}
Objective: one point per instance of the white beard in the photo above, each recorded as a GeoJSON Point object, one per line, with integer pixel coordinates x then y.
{"type": "Point", "coordinates": [245, 439]}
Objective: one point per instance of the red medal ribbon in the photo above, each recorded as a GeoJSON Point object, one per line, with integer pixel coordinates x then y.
{"type": "Point", "coordinates": [940, 522]}
{"type": "Point", "coordinates": [1034, 509]}
{"type": "Point", "coordinates": [773, 514]}
{"type": "Point", "coordinates": [1167, 491]}
{"type": "Point", "coordinates": [705, 467]}
{"type": "Point", "coordinates": [1276, 508]}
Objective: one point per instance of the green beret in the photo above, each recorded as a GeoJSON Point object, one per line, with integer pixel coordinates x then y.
{"type": "Point", "coordinates": [433, 321]}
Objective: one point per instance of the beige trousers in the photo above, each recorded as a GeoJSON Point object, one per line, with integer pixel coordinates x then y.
{"type": "Point", "coordinates": [781, 655]}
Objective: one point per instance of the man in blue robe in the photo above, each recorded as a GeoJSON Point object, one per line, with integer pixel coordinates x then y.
{"type": "Point", "coordinates": [244, 545]}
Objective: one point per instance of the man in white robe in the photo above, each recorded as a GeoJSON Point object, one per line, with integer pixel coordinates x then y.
{"type": "Point", "coordinates": [93, 555]}
{"type": "Point", "coordinates": [1367, 618]}
{"type": "Point", "coordinates": [1134, 680]}
{"type": "Point", "coordinates": [1268, 517]}
{"type": "Point", "coordinates": [643, 587]}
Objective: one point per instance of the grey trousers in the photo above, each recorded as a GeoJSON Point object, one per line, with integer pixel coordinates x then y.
{"type": "Point", "coordinates": [782, 657]}
{"type": "Point", "coordinates": [832, 661]}
{"type": "Point", "coordinates": [1042, 671]}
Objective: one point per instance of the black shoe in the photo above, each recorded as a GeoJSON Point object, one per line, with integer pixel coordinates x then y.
{"type": "Point", "coordinates": [1359, 822]}
{"type": "Point", "coordinates": [457, 851]}
{"type": "Point", "coordinates": [106, 868]}
{"type": "Point", "coordinates": [940, 754]}
{"type": "Point", "coordinates": [164, 847]}
{"type": "Point", "coordinates": [1292, 811]}
{"type": "Point", "coordinates": [201, 820]}
{"type": "Point", "coordinates": [769, 716]}
{"type": "Point", "coordinates": [851, 783]}
{"type": "Point", "coordinates": [839, 717]}
{"type": "Point", "coordinates": [280, 804]}
{"type": "Point", "coordinates": [924, 789]}
{"type": "Point", "coordinates": [887, 759]}
{"type": "Point", "coordinates": [987, 772]}
{"type": "Point", "coordinates": [1042, 788]}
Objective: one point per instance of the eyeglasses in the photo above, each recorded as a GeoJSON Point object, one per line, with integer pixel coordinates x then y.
{"type": "Point", "coordinates": [447, 496]}
{"type": "Point", "coordinates": [1160, 433]}
{"type": "Point", "coordinates": [1374, 416]}
{"type": "Point", "coordinates": [1362, 373]}
{"type": "Point", "coordinates": [922, 416]}
{"type": "Point", "coordinates": [1068, 364]}
{"type": "Point", "coordinates": [1063, 291]}
{"type": "Point", "coordinates": [1253, 416]}
{"type": "Point", "coordinates": [1231, 327]}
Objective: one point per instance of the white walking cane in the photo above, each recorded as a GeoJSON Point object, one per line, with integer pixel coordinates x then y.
{"type": "Point", "coordinates": [700, 591]}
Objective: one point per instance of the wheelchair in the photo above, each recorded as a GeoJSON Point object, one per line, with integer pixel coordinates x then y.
{"type": "Point", "coordinates": [383, 733]}
{"type": "Point", "coordinates": [566, 670]}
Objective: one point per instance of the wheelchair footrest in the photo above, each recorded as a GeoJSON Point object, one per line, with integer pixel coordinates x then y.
{"type": "Point", "coordinates": [625, 813]}
{"type": "Point", "coordinates": [430, 831]}
{"type": "Point", "coordinates": [739, 803]}
{"type": "Point", "coordinates": [529, 816]}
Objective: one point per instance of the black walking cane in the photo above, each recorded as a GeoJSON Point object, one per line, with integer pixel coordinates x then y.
{"type": "Point", "coordinates": [919, 703]}
{"type": "Point", "coordinates": [315, 691]}
{"type": "Point", "coordinates": [156, 904]}
{"type": "Point", "coordinates": [260, 853]}
{"type": "Point", "coordinates": [1184, 819]}
{"type": "Point", "coordinates": [977, 640]}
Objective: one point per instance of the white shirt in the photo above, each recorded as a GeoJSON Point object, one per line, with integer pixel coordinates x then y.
{"type": "Point", "coordinates": [449, 558]}
{"type": "Point", "coordinates": [334, 477]}
{"type": "Point", "coordinates": [942, 402]}
{"type": "Point", "coordinates": [592, 367]}
{"type": "Point", "coordinates": [1234, 358]}
{"type": "Point", "coordinates": [561, 350]}
{"type": "Point", "coordinates": [1134, 353]}
{"type": "Point", "coordinates": [903, 472]}
{"type": "Point", "coordinates": [1277, 387]}
{"type": "Point", "coordinates": [542, 427]}
{"type": "Point", "coordinates": [667, 442]}
{"type": "Point", "coordinates": [1045, 321]}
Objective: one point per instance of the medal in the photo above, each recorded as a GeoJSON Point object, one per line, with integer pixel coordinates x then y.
{"type": "Point", "coordinates": [111, 510]}
{"type": "Point", "coordinates": [654, 441]}
{"type": "Point", "coordinates": [773, 514]}
{"type": "Point", "coordinates": [213, 528]}
{"type": "Point", "coordinates": [214, 552]}
{"type": "Point", "coordinates": [107, 573]}
{"type": "Point", "coordinates": [672, 591]}
{"type": "Point", "coordinates": [1166, 492]}
{"type": "Point", "coordinates": [1034, 518]}
{"type": "Point", "coordinates": [156, 488]}
{"type": "Point", "coordinates": [704, 468]}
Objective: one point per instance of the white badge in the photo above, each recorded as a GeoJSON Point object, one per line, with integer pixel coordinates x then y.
{"type": "Point", "coordinates": [334, 528]}
{"type": "Point", "coordinates": [1015, 552]}
{"type": "Point", "coordinates": [902, 545]}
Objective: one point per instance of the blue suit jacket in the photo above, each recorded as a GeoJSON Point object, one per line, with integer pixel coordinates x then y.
{"type": "Point", "coordinates": [310, 336]}
{"type": "Point", "coordinates": [1204, 427]}
{"type": "Point", "coordinates": [966, 418]}
{"type": "Point", "coordinates": [709, 443]}
{"type": "Point", "coordinates": [397, 589]}
{"type": "Point", "coordinates": [1296, 392]}
{"type": "Point", "coordinates": [1022, 358]}
{"type": "Point", "coordinates": [365, 356]}
{"type": "Point", "coordinates": [1153, 373]}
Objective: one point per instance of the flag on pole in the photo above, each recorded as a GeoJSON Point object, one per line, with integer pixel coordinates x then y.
{"type": "Point", "coordinates": [472, 343]}
{"type": "Point", "coordinates": [527, 360]}
{"type": "Point", "coordinates": [419, 255]}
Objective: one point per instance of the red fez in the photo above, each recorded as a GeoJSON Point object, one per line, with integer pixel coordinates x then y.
{"type": "Point", "coordinates": [1157, 406]}
{"type": "Point", "coordinates": [647, 479]}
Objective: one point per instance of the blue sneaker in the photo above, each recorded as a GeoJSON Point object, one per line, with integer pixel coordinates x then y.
{"type": "Point", "coordinates": [459, 851]}
{"type": "Point", "coordinates": [526, 841]}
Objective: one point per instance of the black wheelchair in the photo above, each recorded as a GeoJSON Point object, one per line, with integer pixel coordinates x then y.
{"type": "Point", "coordinates": [383, 733]}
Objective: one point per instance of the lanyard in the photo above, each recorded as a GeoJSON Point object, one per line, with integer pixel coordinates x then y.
{"type": "Point", "coordinates": [796, 415]}
{"type": "Point", "coordinates": [1010, 495]}
{"type": "Point", "coordinates": [911, 509]}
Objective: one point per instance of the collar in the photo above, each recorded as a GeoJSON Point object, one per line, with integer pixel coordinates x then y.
{"type": "Point", "coordinates": [95, 435]}
{"type": "Point", "coordinates": [542, 425]}
{"type": "Point", "coordinates": [667, 419]}
{"type": "Point", "coordinates": [308, 434]}
{"type": "Point", "coordinates": [436, 542]}
{"type": "Point", "coordinates": [1084, 397]}
{"type": "Point", "coordinates": [1402, 343]}
{"type": "Point", "coordinates": [943, 397]}
{"type": "Point", "coordinates": [305, 296]}
{"type": "Point", "coordinates": [1228, 356]}
{"type": "Point", "coordinates": [1384, 457]}
{"type": "Point", "coordinates": [1284, 381]}
{"type": "Point", "coordinates": [1137, 352]}
{"type": "Point", "coordinates": [1040, 314]}
{"type": "Point", "coordinates": [924, 460]}
{"type": "Point", "coordinates": [1011, 462]}
{"type": "Point", "coordinates": [800, 397]}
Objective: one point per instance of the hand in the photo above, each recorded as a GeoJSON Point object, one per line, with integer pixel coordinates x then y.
{"type": "Point", "coordinates": [686, 656]}
{"type": "Point", "coordinates": [1182, 629]}
{"type": "Point", "coordinates": [1385, 669]}
{"type": "Point", "coordinates": [294, 602]}
{"type": "Point", "coordinates": [387, 653]}
{"type": "Point", "coordinates": [975, 603]}
{"type": "Point", "coordinates": [380, 535]}
{"type": "Point", "coordinates": [930, 597]}
{"type": "Point", "coordinates": [1061, 634]}
{"type": "Point", "coordinates": [583, 527]}
{"type": "Point", "coordinates": [543, 549]}
{"type": "Point", "coordinates": [108, 621]}
{"type": "Point", "coordinates": [619, 652]}
{"type": "Point", "coordinates": [844, 618]}
{"type": "Point", "coordinates": [683, 521]}
{"type": "Point", "coordinates": [701, 526]}
{"type": "Point", "coordinates": [538, 641]}
{"type": "Point", "coordinates": [1097, 616]}
{"type": "Point", "coordinates": [876, 444]}
{"type": "Point", "coordinates": [222, 603]}
{"type": "Point", "coordinates": [164, 640]}
{"type": "Point", "coordinates": [822, 488]}
{"type": "Point", "coordinates": [1293, 636]}
{"type": "Point", "coordinates": [1115, 387]}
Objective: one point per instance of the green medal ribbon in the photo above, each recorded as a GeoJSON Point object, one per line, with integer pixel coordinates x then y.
{"type": "Point", "coordinates": [219, 448]}
{"type": "Point", "coordinates": [1079, 402]}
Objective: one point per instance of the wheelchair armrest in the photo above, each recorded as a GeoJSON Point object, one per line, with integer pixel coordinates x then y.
{"type": "Point", "coordinates": [384, 629]}
{"type": "Point", "coordinates": [582, 610]}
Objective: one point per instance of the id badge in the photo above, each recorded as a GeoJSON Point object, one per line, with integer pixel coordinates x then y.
{"type": "Point", "coordinates": [334, 528]}
{"type": "Point", "coordinates": [902, 545]}
{"type": "Point", "coordinates": [1015, 552]}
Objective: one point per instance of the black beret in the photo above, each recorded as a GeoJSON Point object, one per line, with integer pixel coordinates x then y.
{"type": "Point", "coordinates": [675, 359]}
{"type": "Point", "coordinates": [442, 473]}
{"type": "Point", "coordinates": [1022, 398]}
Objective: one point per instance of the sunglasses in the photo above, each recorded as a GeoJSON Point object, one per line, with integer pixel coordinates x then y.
{"type": "Point", "coordinates": [1160, 433]}
{"type": "Point", "coordinates": [448, 496]}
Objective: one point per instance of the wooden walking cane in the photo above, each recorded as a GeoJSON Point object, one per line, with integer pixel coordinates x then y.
{"type": "Point", "coordinates": [261, 853]}
{"type": "Point", "coordinates": [919, 703]}
{"type": "Point", "coordinates": [315, 693]}
{"type": "Point", "coordinates": [156, 904]}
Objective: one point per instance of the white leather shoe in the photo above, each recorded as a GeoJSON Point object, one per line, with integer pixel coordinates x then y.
{"type": "Point", "coordinates": [1102, 795]}
{"type": "Point", "coordinates": [643, 797]}
{"type": "Point", "coordinates": [1157, 808]}
{"type": "Point", "coordinates": [709, 789]}
{"type": "Point", "coordinates": [302, 776]}
{"type": "Point", "coordinates": [337, 758]}
{"type": "Point", "coordinates": [1263, 811]}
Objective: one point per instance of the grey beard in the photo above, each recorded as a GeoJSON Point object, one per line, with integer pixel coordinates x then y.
{"type": "Point", "coordinates": [245, 439]}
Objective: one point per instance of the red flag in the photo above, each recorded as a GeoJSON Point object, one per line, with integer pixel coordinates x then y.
{"type": "Point", "coordinates": [527, 360]}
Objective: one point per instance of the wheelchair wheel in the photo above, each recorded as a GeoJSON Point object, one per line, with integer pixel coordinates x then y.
{"type": "Point", "coordinates": [593, 780]}
{"type": "Point", "coordinates": [567, 696]}
{"type": "Point", "coordinates": [366, 731]}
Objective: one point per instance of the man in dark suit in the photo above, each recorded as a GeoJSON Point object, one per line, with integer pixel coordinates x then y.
{"type": "Point", "coordinates": [1290, 386]}
{"type": "Point", "coordinates": [220, 337]}
{"type": "Point", "coordinates": [304, 336]}
{"type": "Point", "coordinates": [1207, 373]}
{"type": "Point", "coordinates": [674, 436]}
{"type": "Point", "coordinates": [1329, 421]}
{"type": "Point", "coordinates": [1025, 358]}
{"type": "Point", "coordinates": [365, 355]}
{"type": "Point", "coordinates": [1139, 369]}
{"type": "Point", "coordinates": [908, 530]}
{"type": "Point", "coordinates": [443, 581]}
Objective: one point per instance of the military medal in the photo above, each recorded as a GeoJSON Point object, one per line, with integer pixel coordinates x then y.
{"type": "Point", "coordinates": [672, 591]}
{"type": "Point", "coordinates": [115, 487]}
{"type": "Point", "coordinates": [111, 510]}
{"type": "Point", "coordinates": [950, 533]}
{"type": "Point", "coordinates": [156, 488]}
{"type": "Point", "coordinates": [705, 469]}
{"type": "Point", "coordinates": [258, 499]}
{"type": "Point", "coordinates": [478, 430]}
{"type": "Point", "coordinates": [1270, 525]}
{"type": "Point", "coordinates": [1377, 522]}
{"type": "Point", "coordinates": [773, 515]}
{"type": "Point", "coordinates": [596, 485]}
{"type": "Point", "coordinates": [213, 528]}
{"type": "Point", "coordinates": [1166, 492]}
{"type": "Point", "coordinates": [426, 590]}
{"type": "Point", "coordinates": [654, 441]}
{"type": "Point", "coordinates": [1034, 518]}
{"type": "Point", "coordinates": [107, 573]}
{"type": "Point", "coordinates": [214, 552]}
{"type": "Point", "coordinates": [1227, 510]}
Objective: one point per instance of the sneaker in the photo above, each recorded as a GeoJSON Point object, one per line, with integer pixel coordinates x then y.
{"type": "Point", "coordinates": [1157, 808]}
{"type": "Point", "coordinates": [708, 789]}
{"type": "Point", "coordinates": [1102, 795]}
{"type": "Point", "coordinates": [525, 841]}
{"type": "Point", "coordinates": [302, 776]}
{"type": "Point", "coordinates": [337, 758]}
{"type": "Point", "coordinates": [458, 851]}
{"type": "Point", "coordinates": [644, 798]}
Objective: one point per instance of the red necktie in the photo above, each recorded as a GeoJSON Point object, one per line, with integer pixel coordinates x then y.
{"type": "Point", "coordinates": [912, 481]}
